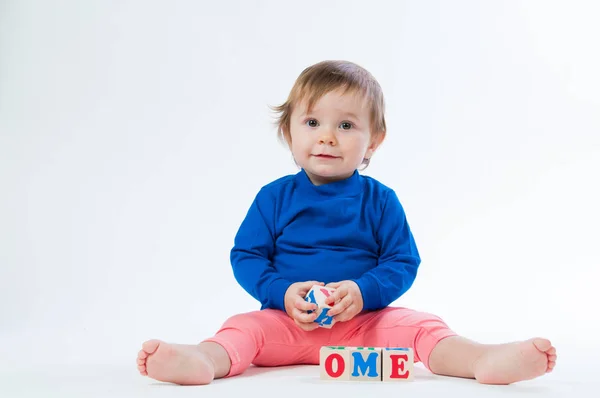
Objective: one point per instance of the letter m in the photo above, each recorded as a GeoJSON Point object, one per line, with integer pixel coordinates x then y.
{"type": "Point", "coordinates": [369, 365]}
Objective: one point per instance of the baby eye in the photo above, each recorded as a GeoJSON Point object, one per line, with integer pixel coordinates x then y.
{"type": "Point", "coordinates": [312, 123]}
{"type": "Point", "coordinates": [346, 125]}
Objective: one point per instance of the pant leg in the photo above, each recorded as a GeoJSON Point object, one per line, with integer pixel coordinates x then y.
{"type": "Point", "coordinates": [268, 338]}
{"type": "Point", "coordinates": [394, 327]}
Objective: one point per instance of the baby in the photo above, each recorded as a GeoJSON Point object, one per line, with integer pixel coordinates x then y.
{"type": "Point", "coordinates": [330, 225]}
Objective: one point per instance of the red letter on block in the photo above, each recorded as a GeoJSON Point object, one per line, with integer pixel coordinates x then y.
{"type": "Point", "coordinates": [398, 362]}
{"type": "Point", "coordinates": [341, 365]}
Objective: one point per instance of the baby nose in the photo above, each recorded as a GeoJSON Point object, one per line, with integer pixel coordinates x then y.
{"type": "Point", "coordinates": [327, 139]}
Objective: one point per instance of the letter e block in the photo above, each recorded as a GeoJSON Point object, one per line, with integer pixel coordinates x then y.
{"type": "Point", "coordinates": [398, 364]}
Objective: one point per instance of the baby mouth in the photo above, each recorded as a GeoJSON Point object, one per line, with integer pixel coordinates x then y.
{"type": "Point", "coordinates": [326, 156]}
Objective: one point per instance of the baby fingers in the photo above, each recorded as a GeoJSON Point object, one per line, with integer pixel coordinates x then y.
{"type": "Point", "coordinates": [306, 326]}
{"type": "Point", "coordinates": [304, 317]}
{"type": "Point", "coordinates": [346, 315]}
{"type": "Point", "coordinates": [338, 295]}
{"type": "Point", "coordinates": [304, 305]}
{"type": "Point", "coordinates": [341, 306]}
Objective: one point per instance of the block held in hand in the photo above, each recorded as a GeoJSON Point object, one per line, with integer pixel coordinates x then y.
{"type": "Point", "coordinates": [317, 295]}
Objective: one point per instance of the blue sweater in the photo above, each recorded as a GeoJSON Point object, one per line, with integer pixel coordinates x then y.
{"type": "Point", "coordinates": [353, 229]}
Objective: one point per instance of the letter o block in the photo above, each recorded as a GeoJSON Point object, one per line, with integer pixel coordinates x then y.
{"type": "Point", "coordinates": [334, 363]}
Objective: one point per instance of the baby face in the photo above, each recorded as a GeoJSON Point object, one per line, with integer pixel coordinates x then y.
{"type": "Point", "coordinates": [331, 141]}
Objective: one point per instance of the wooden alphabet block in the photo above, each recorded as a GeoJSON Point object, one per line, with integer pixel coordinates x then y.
{"type": "Point", "coordinates": [397, 364]}
{"type": "Point", "coordinates": [365, 363]}
{"type": "Point", "coordinates": [317, 295]}
{"type": "Point", "coordinates": [334, 363]}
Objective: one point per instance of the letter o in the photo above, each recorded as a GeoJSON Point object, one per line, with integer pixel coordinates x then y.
{"type": "Point", "coordinates": [341, 365]}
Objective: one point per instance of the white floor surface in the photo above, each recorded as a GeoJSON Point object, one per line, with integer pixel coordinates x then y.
{"type": "Point", "coordinates": [575, 376]}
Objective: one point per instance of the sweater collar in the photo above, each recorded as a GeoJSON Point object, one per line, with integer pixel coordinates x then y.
{"type": "Point", "coordinates": [348, 187]}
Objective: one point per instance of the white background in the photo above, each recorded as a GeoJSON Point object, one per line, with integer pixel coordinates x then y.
{"type": "Point", "coordinates": [134, 136]}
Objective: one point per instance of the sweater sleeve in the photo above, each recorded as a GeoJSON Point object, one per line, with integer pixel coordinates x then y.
{"type": "Point", "coordinates": [398, 259]}
{"type": "Point", "coordinates": [252, 253]}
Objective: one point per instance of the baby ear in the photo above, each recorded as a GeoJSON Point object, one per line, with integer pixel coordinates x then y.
{"type": "Point", "coordinates": [376, 141]}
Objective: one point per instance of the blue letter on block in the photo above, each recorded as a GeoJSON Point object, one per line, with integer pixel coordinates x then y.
{"type": "Point", "coordinates": [311, 299]}
{"type": "Point", "coordinates": [323, 318]}
{"type": "Point", "coordinates": [370, 364]}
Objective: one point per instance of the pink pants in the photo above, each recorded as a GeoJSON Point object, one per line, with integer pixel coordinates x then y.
{"type": "Point", "coordinates": [271, 338]}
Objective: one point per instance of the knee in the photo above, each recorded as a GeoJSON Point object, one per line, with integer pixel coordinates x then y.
{"type": "Point", "coordinates": [249, 321]}
{"type": "Point", "coordinates": [431, 321]}
{"type": "Point", "coordinates": [428, 323]}
{"type": "Point", "coordinates": [241, 321]}
{"type": "Point", "coordinates": [406, 315]}
{"type": "Point", "coordinates": [402, 317]}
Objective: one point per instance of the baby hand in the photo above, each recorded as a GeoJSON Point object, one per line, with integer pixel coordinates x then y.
{"type": "Point", "coordinates": [296, 307]}
{"type": "Point", "coordinates": [348, 299]}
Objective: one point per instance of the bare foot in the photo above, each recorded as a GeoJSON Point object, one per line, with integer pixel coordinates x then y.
{"type": "Point", "coordinates": [513, 362]}
{"type": "Point", "coordinates": [175, 363]}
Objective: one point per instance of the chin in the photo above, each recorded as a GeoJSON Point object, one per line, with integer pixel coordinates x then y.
{"type": "Point", "coordinates": [325, 172]}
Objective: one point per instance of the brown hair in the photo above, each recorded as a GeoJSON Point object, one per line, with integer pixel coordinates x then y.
{"type": "Point", "coordinates": [324, 77]}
